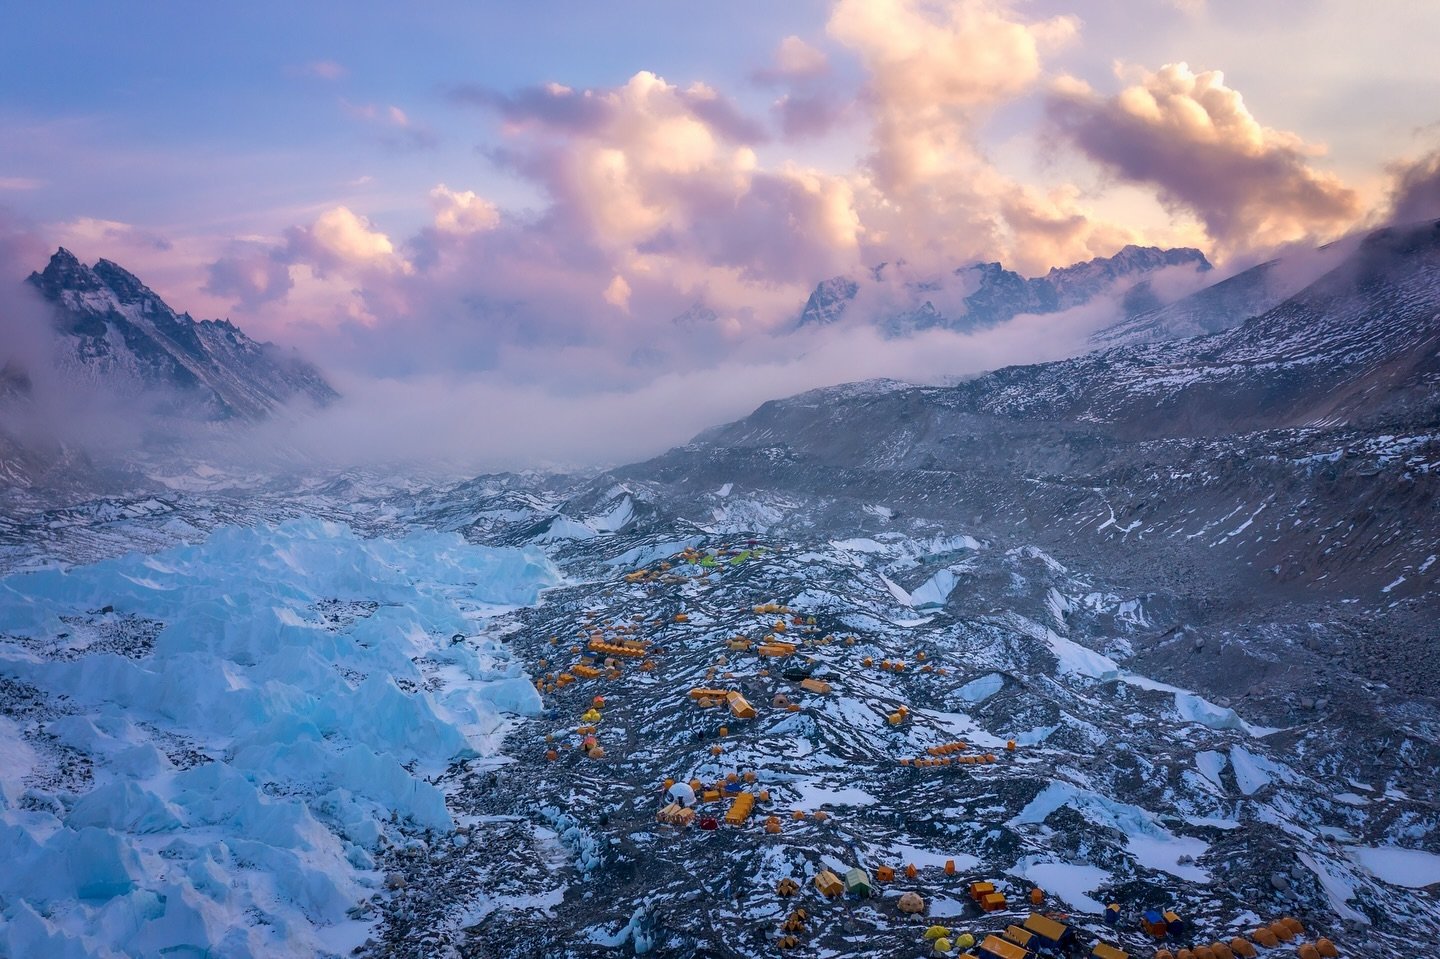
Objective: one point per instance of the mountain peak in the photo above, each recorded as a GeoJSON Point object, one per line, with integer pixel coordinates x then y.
{"type": "Point", "coordinates": [64, 272]}
{"type": "Point", "coordinates": [111, 323]}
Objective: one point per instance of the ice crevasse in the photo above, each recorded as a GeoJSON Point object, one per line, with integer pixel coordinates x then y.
{"type": "Point", "coordinates": [223, 789]}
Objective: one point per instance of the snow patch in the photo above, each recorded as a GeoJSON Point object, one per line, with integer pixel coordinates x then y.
{"type": "Point", "coordinates": [1398, 866]}
{"type": "Point", "coordinates": [1151, 844]}
{"type": "Point", "coordinates": [980, 689]}
{"type": "Point", "coordinates": [1069, 881]}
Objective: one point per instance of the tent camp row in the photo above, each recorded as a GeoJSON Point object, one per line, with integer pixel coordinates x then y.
{"type": "Point", "coordinates": [1272, 936]}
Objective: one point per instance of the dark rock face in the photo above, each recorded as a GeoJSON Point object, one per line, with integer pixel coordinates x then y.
{"type": "Point", "coordinates": [116, 329]}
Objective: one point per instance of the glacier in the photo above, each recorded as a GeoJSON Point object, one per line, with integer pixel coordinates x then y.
{"type": "Point", "coordinates": [303, 688]}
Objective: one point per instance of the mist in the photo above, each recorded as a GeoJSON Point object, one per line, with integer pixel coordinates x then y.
{"type": "Point", "coordinates": [490, 421]}
{"type": "Point", "coordinates": [547, 403]}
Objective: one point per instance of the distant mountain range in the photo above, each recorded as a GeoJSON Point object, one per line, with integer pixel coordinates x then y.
{"type": "Point", "coordinates": [115, 330]}
{"type": "Point", "coordinates": [986, 294]}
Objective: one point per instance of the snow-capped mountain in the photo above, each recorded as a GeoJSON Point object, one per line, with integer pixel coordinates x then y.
{"type": "Point", "coordinates": [115, 330]}
{"type": "Point", "coordinates": [985, 294]}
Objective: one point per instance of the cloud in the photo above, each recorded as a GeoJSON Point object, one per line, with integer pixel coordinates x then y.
{"type": "Point", "coordinates": [325, 70]}
{"type": "Point", "coordinates": [794, 60]}
{"type": "Point", "coordinates": [656, 177]}
{"type": "Point", "coordinates": [1415, 195]}
{"type": "Point", "coordinates": [250, 275]}
{"type": "Point", "coordinates": [1193, 138]}
{"type": "Point", "coordinates": [342, 241]}
{"type": "Point", "coordinates": [87, 231]}
{"type": "Point", "coordinates": [807, 116]}
{"type": "Point", "coordinates": [810, 105]}
{"type": "Point", "coordinates": [19, 183]}
{"type": "Point", "coordinates": [934, 70]}
{"type": "Point", "coordinates": [657, 200]}
{"type": "Point", "coordinates": [617, 294]}
{"type": "Point", "coordinates": [397, 129]}
{"type": "Point", "coordinates": [556, 108]}
{"type": "Point", "coordinates": [22, 338]}
{"type": "Point", "coordinates": [935, 73]}
{"type": "Point", "coordinates": [463, 212]}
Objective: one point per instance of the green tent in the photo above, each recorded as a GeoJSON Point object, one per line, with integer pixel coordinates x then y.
{"type": "Point", "coordinates": [708, 560]}
{"type": "Point", "coordinates": [857, 882]}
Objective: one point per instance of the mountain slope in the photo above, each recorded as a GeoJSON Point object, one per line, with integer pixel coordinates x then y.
{"type": "Point", "coordinates": [116, 331]}
{"type": "Point", "coordinates": [1281, 471]}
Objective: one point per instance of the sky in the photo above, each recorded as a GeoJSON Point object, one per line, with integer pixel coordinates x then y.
{"type": "Point", "coordinates": [490, 203]}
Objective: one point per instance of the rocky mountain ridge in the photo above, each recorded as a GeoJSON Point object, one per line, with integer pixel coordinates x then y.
{"type": "Point", "coordinates": [986, 294]}
{"type": "Point", "coordinates": [114, 329]}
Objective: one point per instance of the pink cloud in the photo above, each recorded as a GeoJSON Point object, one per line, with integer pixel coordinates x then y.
{"type": "Point", "coordinates": [1193, 138]}
{"type": "Point", "coordinates": [326, 69]}
{"type": "Point", "coordinates": [397, 129]}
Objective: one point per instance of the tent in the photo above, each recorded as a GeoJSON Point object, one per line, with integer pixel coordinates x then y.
{"type": "Point", "coordinates": [996, 948]}
{"type": "Point", "coordinates": [828, 883]}
{"type": "Point", "coordinates": [1050, 933]}
{"type": "Point", "coordinates": [857, 882]}
{"type": "Point", "coordinates": [911, 902]}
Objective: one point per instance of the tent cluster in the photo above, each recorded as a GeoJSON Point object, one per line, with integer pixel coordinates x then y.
{"type": "Point", "coordinates": [660, 574]}
{"type": "Point", "coordinates": [944, 755]}
{"type": "Point", "coordinates": [1271, 936]}
{"type": "Point", "coordinates": [1161, 924]}
{"type": "Point", "coordinates": [1039, 934]}
{"type": "Point", "coordinates": [587, 733]}
{"type": "Point", "coordinates": [942, 940]}
{"type": "Point", "coordinates": [987, 896]}
{"type": "Point", "coordinates": [609, 646]}
{"type": "Point", "coordinates": [739, 706]}
{"type": "Point", "coordinates": [976, 760]}
{"type": "Point", "coordinates": [681, 797]}
{"type": "Point", "coordinates": [793, 925]}
{"type": "Point", "coordinates": [712, 559]}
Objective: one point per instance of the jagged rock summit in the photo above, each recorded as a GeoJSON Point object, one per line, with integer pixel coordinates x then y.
{"type": "Point", "coordinates": [115, 330]}
{"type": "Point", "coordinates": [993, 294]}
